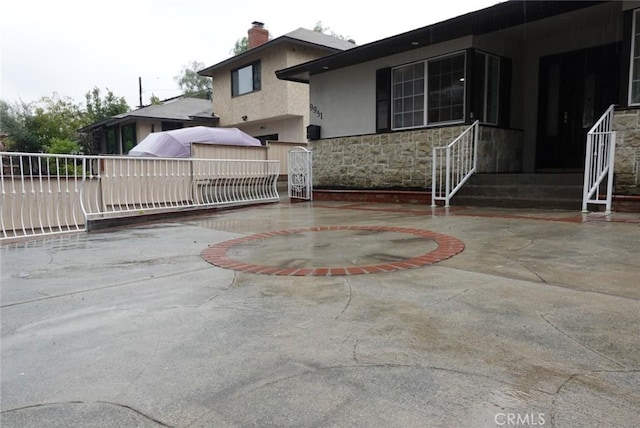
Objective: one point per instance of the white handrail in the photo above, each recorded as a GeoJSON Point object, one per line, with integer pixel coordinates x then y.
{"type": "Point", "coordinates": [453, 164]}
{"type": "Point", "coordinates": [599, 162]}
{"type": "Point", "coordinates": [43, 194]}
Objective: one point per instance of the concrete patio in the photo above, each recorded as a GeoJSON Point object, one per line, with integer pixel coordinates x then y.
{"type": "Point", "coordinates": [327, 314]}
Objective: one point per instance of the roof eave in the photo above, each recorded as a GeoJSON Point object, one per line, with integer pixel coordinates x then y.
{"type": "Point", "coordinates": [282, 39]}
{"type": "Point", "coordinates": [500, 16]}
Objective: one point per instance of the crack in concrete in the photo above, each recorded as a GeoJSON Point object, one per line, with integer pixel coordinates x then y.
{"type": "Point", "coordinates": [151, 418]}
{"type": "Point", "coordinates": [530, 243]}
{"type": "Point", "coordinates": [552, 413]}
{"type": "Point", "coordinates": [456, 295]}
{"type": "Point", "coordinates": [104, 287]}
{"type": "Point", "coordinates": [571, 378]}
{"type": "Point", "coordinates": [222, 290]}
{"type": "Point", "coordinates": [62, 403]}
{"type": "Point", "coordinates": [444, 264]}
{"type": "Point", "coordinates": [346, 280]}
{"type": "Point", "coordinates": [562, 332]}
{"type": "Point", "coordinates": [534, 272]}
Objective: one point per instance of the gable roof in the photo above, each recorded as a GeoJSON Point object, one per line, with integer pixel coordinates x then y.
{"type": "Point", "coordinates": [179, 109]}
{"type": "Point", "coordinates": [300, 37]}
{"type": "Point", "coordinates": [494, 18]}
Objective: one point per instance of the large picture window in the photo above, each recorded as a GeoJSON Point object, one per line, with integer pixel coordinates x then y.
{"type": "Point", "coordinates": [442, 80]}
{"type": "Point", "coordinates": [245, 79]}
{"type": "Point", "coordinates": [634, 75]}
{"type": "Point", "coordinates": [446, 89]}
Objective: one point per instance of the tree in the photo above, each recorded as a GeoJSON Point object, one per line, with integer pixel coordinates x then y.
{"type": "Point", "coordinates": [61, 146]}
{"type": "Point", "coordinates": [99, 108]}
{"type": "Point", "coordinates": [33, 126]}
{"type": "Point", "coordinates": [64, 166]}
{"type": "Point", "coordinates": [52, 123]}
{"type": "Point", "coordinates": [326, 30]}
{"type": "Point", "coordinates": [16, 122]}
{"type": "Point", "coordinates": [193, 84]}
{"type": "Point", "coordinates": [154, 100]}
{"type": "Point", "coordinates": [242, 45]}
{"type": "Point", "coordinates": [57, 117]}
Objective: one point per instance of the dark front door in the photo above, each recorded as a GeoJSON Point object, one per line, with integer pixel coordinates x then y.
{"type": "Point", "coordinates": [575, 90]}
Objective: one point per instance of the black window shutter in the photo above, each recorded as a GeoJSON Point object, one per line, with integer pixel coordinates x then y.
{"type": "Point", "coordinates": [257, 77]}
{"type": "Point", "coordinates": [383, 100]}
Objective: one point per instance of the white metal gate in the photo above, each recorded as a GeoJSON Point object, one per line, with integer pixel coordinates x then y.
{"type": "Point", "coordinates": [300, 175]}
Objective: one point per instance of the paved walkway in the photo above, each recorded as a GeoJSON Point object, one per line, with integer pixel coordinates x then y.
{"type": "Point", "coordinates": [327, 314]}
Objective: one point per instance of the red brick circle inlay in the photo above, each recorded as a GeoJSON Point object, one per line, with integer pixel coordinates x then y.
{"type": "Point", "coordinates": [448, 246]}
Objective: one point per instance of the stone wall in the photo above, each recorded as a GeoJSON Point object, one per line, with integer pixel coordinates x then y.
{"type": "Point", "coordinates": [627, 162]}
{"type": "Point", "coordinates": [404, 159]}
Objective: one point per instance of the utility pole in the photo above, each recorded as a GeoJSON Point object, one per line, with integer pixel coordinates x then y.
{"type": "Point", "coordinates": [140, 90]}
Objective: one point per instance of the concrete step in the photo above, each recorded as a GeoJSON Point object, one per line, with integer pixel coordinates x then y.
{"type": "Point", "coordinates": [501, 202]}
{"type": "Point", "coordinates": [555, 191]}
{"type": "Point", "coordinates": [531, 191]}
{"type": "Point", "coordinates": [538, 179]}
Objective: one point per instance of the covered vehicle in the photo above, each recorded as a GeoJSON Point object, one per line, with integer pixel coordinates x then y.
{"type": "Point", "coordinates": [177, 143]}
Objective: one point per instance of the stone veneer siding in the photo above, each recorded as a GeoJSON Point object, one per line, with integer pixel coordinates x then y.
{"type": "Point", "coordinates": [403, 160]}
{"type": "Point", "coordinates": [626, 123]}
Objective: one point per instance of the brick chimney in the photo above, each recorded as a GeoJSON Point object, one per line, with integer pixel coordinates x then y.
{"type": "Point", "coordinates": [258, 35]}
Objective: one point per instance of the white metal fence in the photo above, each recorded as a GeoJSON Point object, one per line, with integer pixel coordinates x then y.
{"type": "Point", "coordinates": [48, 194]}
{"type": "Point", "coordinates": [453, 165]}
{"type": "Point", "coordinates": [599, 162]}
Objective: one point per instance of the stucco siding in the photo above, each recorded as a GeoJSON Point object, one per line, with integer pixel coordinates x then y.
{"type": "Point", "coordinates": [269, 101]}
{"type": "Point", "coordinates": [277, 100]}
{"type": "Point", "coordinates": [289, 128]}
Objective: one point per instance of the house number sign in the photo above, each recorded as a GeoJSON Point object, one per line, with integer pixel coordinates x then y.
{"type": "Point", "coordinates": [316, 110]}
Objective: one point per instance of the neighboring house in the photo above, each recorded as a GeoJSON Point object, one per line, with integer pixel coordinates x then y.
{"type": "Point", "coordinates": [248, 95]}
{"type": "Point", "coordinates": [536, 74]}
{"type": "Point", "coordinates": [119, 134]}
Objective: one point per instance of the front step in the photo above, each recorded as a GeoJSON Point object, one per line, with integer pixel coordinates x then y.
{"type": "Point", "coordinates": [544, 191]}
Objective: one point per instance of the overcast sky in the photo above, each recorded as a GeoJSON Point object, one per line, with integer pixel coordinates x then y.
{"type": "Point", "coordinates": [70, 46]}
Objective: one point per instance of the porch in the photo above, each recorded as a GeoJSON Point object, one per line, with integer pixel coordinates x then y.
{"type": "Point", "coordinates": [397, 167]}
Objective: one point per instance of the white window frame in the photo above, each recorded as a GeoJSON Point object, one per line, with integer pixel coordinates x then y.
{"type": "Point", "coordinates": [424, 96]}
{"type": "Point", "coordinates": [425, 118]}
{"type": "Point", "coordinates": [631, 62]}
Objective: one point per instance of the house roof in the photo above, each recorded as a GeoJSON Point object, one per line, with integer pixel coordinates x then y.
{"type": "Point", "coordinates": [179, 109]}
{"type": "Point", "coordinates": [301, 37]}
{"type": "Point", "coordinates": [500, 16]}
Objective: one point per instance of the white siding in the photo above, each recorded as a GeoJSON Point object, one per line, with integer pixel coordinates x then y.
{"type": "Point", "coordinates": [350, 92]}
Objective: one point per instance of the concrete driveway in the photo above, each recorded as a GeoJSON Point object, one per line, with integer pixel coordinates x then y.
{"type": "Point", "coordinates": [535, 321]}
